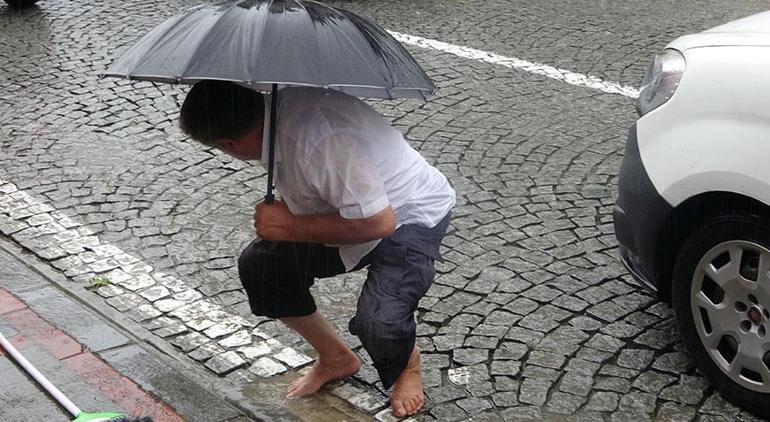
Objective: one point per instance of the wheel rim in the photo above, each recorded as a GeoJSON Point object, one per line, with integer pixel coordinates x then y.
{"type": "Point", "coordinates": [730, 303]}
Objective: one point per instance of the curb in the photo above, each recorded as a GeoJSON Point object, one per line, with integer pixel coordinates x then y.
{"type": "Point", "coordinates": [108, 341]}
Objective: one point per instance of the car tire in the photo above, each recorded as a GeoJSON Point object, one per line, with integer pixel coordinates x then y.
{"type": "Point", "coordinates": [718, 270]}
{"type": "Point", "coordinates": [21, 3]}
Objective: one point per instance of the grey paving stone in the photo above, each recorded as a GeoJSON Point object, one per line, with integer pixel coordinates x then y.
{"type": "Point", "coordinates": [656, 339]}
{"type": "Point", "coordinates": [565, 404]}
{"type": "Point", "coordinates": [155, 293]}
{"type": "Point", "coordinates": [205, 352]}
{"type": "Point", "coordinates": [570, 303]}
{"type": "Point", "coordinates": [576, 384]}
{"type": "Point", "coordinates": [638, 402]}
{"type": "Point", "coordinates": [445, 394]}
{"type": "Point", "coordinates": [505, 399]}
{"type": "Point", "coordinates": [593, 355]}
{"type": "Point", "coordinates": [266, 367]}
{"type": "Point", "coordinates": [604, 343]}
{"type": "Point", "coordinates": [534, 391]}
{"type": "Point", "coordinates": [508, 368]}
{"type": "Point", "coordinates": [510, 350]}
{"type": "Point", "coordinates": [670, 412]}
{"type": "Point", "coordinates": [675, 363]}
{"type": "Point", "coordinates": [226, 362]}
{"type": "Point", "coordinates": [716, 405]}
{"type": "Point", "coordinates": [542, 293]}
{"type": "Point", "coordinates": [586, 323]}
{"type": "Point", "coordinates": [434, 360]}
{"type": "Point", "coordinates": [474, 405]}
{"type": "Point", "coordinates": [581, 366]}
{"type": "Point", "coordinates": [545, 359]}
{"type": "Point", "coordinates": [506, 383]}
{"type": "Point", "coordinates": [222, 329]}
{"type": "Point", "coordinates": [490, 330]}
{"type": "Point", "coordinates": [534, 371]}
{"type": "Point", "coordinates": [603, 402]}
{"type": "Point", "coordinates": [126, 302]}
{"type": "Point", "coordinates": [620, 329]}
{"type": "Point", "coordinates": [448, 412]}
{"type": "Point", "coordinates": [690, 390]}
{"type": "Point", "coordinates": [469, 357]}
{"type": "Point", "coordinates": [652, 381]}
{"type": "Point", "coordinates": [292, 358]}
{"type": "Point", "coordinates": [240, 338]}
{"type": "Point", "coordinates": [594, 295]}
{"type": "Point", "coordinates": [502, 318]}
{"type": "Point", "coordinates": [480, 342]}
{"type": "Point", "coordinates": [619, 385]}
{"type": "Point", "coordinates": [448, 342]}
{"type": "Point", "coordinates": [525, 413]}
{"type": "Point", "coordinates": [617, 371]}
{"type": "Point", "coordinates": [635, 358]}
{"type": "Point", "coordinates": [189, 342]}
{"type": "Point", "coordinates": [143, 312]}
{"type": "Point", "coordinates": [522, 306]}
{"type": "Point", "coordinates": [523, 335]}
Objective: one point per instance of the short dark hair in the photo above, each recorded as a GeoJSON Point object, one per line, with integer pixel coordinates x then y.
{"type": "Point", "coordinates": [214, 110]}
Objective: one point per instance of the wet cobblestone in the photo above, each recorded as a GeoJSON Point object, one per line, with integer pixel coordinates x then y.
{"type": "Point", "coordinates": [531, 316]}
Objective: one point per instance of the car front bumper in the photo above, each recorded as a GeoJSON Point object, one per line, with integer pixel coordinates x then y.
{"type": "Point", "coordinates": [639, 217]}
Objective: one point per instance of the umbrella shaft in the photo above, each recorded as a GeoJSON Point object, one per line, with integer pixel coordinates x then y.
{"type": "Point", "coordinates": [271, 152]}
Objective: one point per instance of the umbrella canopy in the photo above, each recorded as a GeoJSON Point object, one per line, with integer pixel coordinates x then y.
{"type": "Point", "coordinates": [259, 43]}
{"type": "Point", "coordinates": [269, 44]}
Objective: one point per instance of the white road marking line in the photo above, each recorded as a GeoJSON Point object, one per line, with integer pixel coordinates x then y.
{"type": "Point", "coordinates": [572, 78]}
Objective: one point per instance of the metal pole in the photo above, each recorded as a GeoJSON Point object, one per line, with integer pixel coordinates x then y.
{"type": "Point", "coordinates": [271, 153]}
{"type": "Point", "coordinates": [40, 378]}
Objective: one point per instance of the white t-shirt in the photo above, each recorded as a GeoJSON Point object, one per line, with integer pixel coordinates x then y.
{"type": "Point", "coordinates": [336, 154]}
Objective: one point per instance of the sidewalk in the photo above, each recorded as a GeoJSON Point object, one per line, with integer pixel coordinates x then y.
{"type": "Point", "coordinates": [99, 367]}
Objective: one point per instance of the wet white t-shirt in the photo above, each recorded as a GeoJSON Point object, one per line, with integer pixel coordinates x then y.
{"type": "Point", "coordinates": [336, 154]}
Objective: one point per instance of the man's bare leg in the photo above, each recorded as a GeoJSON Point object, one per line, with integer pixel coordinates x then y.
{"type": "Point", "coordinates": [407, 398]}
{"type": "Point", "coordinates": [335, 359]}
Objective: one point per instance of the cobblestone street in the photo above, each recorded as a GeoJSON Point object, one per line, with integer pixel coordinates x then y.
{"type": "Point", "coordinates": [532, 315]}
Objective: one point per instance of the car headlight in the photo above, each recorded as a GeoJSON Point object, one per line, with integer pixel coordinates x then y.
{"type": "Point", "coordinates": [660, 81]}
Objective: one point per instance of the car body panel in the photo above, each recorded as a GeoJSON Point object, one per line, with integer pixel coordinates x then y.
{"type": "Point", "coordinates": [713, 134]}
{"type": "Point", "coordinates": [750, 31]}
{"type": "Point", "coordinates": [639, 215]}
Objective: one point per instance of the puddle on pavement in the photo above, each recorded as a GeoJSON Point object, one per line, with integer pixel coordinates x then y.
{"type": "Point", "coordinates": [321, 407]}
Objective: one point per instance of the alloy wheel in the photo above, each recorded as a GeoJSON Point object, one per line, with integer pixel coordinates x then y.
{"type": "Point", "coordinates": [730, 303]}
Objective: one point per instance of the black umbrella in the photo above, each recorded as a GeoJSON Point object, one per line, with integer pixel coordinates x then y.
{"type": "Point", "coordinates": [269, 44]}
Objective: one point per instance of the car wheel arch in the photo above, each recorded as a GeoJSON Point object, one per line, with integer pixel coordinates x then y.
{"type": "Point", "coordinates": [688, 216]}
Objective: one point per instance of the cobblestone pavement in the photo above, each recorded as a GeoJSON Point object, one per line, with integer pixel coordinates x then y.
{"type": "Point", "coordinates": [531, 316]}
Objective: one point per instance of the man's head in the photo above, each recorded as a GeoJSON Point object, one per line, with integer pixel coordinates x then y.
{"type": "Point", "coordinates": [226, 116]}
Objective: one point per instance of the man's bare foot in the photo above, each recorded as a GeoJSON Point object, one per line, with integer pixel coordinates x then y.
{"type": "Point", "coordinates": [324, 371]}
{"type": "Point", "coordinates": [407, 398]}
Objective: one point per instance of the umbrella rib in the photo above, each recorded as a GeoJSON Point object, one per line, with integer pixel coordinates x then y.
{"type": "Point", "coordinates": [317, 48]}
{"type": "Point", "coordinates": [194, 56]}
{"type": "Point", "coordinates": [352, 18]}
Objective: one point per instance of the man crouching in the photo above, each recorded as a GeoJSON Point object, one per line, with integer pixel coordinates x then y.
{"type": "Point", "coordinates": [354, 195]}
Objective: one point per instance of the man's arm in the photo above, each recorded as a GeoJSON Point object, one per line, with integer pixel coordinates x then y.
{"type": "Point", "coordinates": [275, 222]}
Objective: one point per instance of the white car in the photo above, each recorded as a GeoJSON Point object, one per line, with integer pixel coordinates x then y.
{"type": "Point", "coordinates": [693, 210]}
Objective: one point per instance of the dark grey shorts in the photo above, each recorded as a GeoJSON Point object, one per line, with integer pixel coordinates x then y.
{"type": "Point", "coordinates": [277, 277]}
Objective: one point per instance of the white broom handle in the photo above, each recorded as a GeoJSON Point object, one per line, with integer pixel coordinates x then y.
{"type": "Point", "coordinates": [42, 380]}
